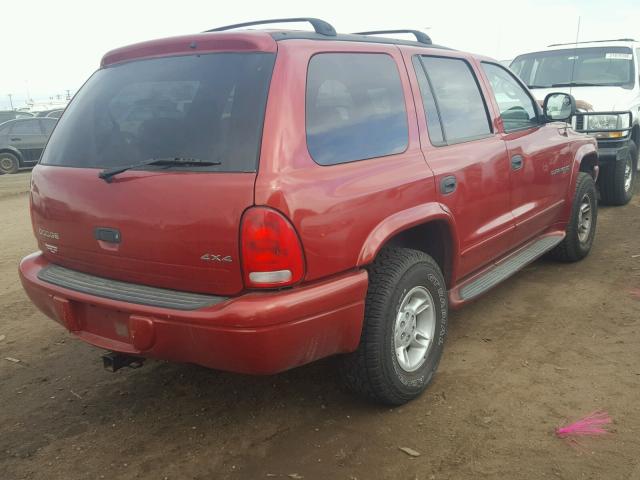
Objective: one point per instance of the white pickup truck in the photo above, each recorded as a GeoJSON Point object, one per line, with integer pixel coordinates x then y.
{"type": "Point", "coordinates": [604, 78]}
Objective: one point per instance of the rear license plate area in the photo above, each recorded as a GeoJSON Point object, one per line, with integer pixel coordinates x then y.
{"type": "Point", "coordinates": [104, 322]}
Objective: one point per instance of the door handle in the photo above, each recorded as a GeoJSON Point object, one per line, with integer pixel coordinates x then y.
{"type": "Point", "coordinates": [448, 184]}
{"type": "Point", "coordinates": [16, 139]}
{"type": "Point", "coordinates": [516, 162]}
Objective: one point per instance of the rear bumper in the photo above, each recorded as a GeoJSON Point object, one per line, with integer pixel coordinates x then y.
{"type": "Point", "coordinates": [256, 333]}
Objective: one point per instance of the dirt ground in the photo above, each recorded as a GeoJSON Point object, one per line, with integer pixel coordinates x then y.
{"type": "Point", "coordinates": [553, 343]}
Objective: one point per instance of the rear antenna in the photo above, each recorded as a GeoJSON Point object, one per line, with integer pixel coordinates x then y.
{"type": "Point", "coordinates": [575, 56]}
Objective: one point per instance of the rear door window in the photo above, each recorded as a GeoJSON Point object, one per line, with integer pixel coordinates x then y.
{"type": "Point", "coordinates": [355, 108]}
{"type": "Point", "coordinates": [462, 109]}
{"type": "Point", "coordinates": [207, 107]}
{"type": "Point", "coordinates": [26, 127]}
{"type": "Point", "coordinates": [434, 126]}
{"type": "Point", "coordinates": [47, 125]}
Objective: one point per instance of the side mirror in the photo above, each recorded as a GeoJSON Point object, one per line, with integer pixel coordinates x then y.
{"type": "Point", "coordinates": [559, 107]}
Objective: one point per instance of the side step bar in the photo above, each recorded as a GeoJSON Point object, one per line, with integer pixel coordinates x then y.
{"type": "Point", "coordinates": [504, 268]}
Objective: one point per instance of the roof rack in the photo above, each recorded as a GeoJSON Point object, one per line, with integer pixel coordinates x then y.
{"type": "Point", "coordinates": [421, 37]}
{"type": "Point", "coordinates": [593, 41]}
{"type": "Point", "coordinates": [320, 26]}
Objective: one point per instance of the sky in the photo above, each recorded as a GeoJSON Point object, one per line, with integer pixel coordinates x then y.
{"type": "Point", "coordinates": [50, 46]}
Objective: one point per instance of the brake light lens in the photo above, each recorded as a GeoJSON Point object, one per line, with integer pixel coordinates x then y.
{"type": "Point", "coordinates": [271, 251]}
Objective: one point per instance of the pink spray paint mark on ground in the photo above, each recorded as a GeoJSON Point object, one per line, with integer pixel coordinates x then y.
{"type": "Point", "coordinates": [635, 293]}
{"type": "Point", "coordinates": [589, 426]}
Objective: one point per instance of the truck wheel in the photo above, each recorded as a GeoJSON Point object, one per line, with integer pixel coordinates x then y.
{"type": "Point", "coordinates": [404, 328]}
{"type": "Point", "coordinates": [616, 184]}
{"type": "Point", "coordinates": [581, 229]}
{"type": "Point", "coordinates": [8, 163]}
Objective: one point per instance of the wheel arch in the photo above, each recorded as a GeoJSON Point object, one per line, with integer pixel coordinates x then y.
{"type": "Point", "coordinates": [586, 160]}
{"type": "Point", "coordinates": [589, 164]}
{"type": "Point", "coordinates": [428, 228]}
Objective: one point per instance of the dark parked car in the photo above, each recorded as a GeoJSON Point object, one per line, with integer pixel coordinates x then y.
{"type": "Point", "coordinates": [22, 142]}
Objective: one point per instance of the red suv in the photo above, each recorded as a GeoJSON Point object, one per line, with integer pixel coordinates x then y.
{"type": "Point", "coordinates": [253, 201]}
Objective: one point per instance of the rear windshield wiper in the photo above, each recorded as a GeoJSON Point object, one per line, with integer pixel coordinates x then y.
{"type": "Point", "coordinates": [108, 174]}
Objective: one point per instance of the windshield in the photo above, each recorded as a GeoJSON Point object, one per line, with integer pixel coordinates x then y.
{"type": "Point", "coordinates": [210, 107]}
{"type": "Point", "coordinates": [602, 66]}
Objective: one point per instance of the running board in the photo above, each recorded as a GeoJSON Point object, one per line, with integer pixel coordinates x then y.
{"type": "Point", "coordinates": [504, 268]}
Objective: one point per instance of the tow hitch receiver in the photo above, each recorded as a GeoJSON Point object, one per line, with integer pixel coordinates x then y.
{"type": "Point", "coordinates": [114, 361]}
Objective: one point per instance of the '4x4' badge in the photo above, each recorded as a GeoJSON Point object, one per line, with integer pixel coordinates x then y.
{"type": "Point", "coordinates": [211, 257]}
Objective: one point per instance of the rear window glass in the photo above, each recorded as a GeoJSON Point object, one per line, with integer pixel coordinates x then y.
{"type": "Point", "coordinates": [434, 127]}
{"type": "Point", "coordinates": [26, 127]}
{"type": "Point", "coordinates": [354, 107]}
{"type": "Point", "coordinates": [207, 107]}
{"type": "Point", "coordinates": [48, 125]}
{"type": "Point", "coordinates": [462, 109]}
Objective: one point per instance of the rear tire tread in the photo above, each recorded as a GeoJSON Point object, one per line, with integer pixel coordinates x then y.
{"type": "Point", "coordinates": [362, 371]}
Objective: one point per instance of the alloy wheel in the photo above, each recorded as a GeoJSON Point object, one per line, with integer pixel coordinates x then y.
{"type": "Point", "coordinates": [414, 328]}
{"type": "Point", "coordinates": [585, 219]}
{"type": "Point", "coordinates": [628, 175]}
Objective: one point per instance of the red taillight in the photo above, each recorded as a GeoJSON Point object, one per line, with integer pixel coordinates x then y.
{"type": "Point", "coordinates": [271, 250]}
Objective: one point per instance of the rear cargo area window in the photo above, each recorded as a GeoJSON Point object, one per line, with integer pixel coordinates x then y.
{"type": "Point", "coordinates": [355, 108]}
{"type": "Point", "coordinates": [206, 107]}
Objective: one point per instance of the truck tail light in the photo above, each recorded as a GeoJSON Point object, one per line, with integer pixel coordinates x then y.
{"type": "Point", "coordinates": [271, 251]}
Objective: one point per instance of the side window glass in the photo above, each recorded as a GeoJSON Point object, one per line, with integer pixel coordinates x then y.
{"type": "Point", "coordinates": [431, 110]}
{"type": "Point", "coordinates": [48, 125]}
{"type": "Point", "coordinates": [355, 108]}
{"type": "Point", "coordinates": [26, 127]}
{"type": "Point", "coordinates": [517, 109]}
{"type": "Point", "coordinates": [462, 109]}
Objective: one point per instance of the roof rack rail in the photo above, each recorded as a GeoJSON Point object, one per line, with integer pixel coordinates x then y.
{"type": "Point", "coordinates": [320, 26]}
{"type": "Point", "coordinates": [594, 41]}
{"type": "Point", "coordinates": [420, 36]}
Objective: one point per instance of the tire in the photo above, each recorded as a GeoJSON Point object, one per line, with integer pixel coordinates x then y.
{"type": "Point", "coordinates": [617, 180]}
{"type": "Point", "coordinates": [579, 239]}
{"type": "Point", "coordinates": [8, 163]}
{"type": "Point", "coordinates": [375, 370]}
